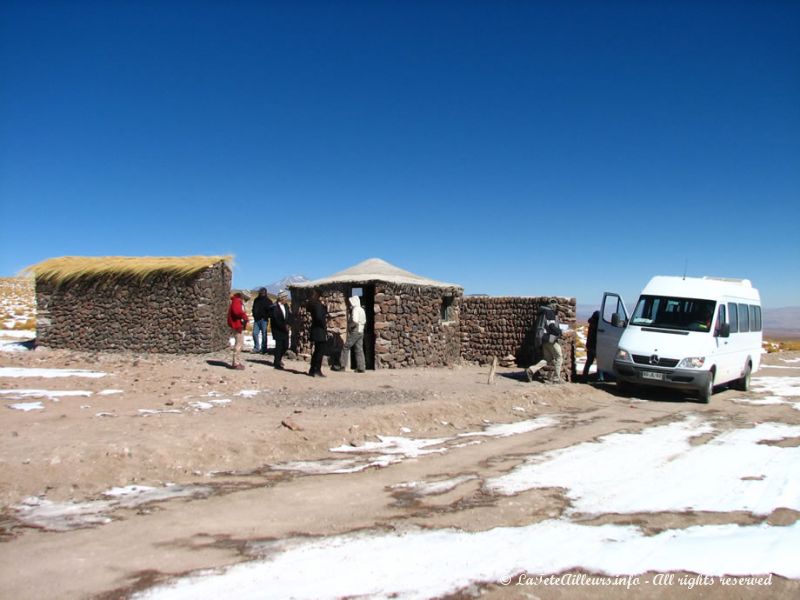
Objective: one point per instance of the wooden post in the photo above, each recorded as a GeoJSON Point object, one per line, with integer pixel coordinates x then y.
{"type": "Point", "coordinates": [492, 370]}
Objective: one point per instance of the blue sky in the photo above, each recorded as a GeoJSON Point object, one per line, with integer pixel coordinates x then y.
{"type": "Point", "coordinates": [518, 148]}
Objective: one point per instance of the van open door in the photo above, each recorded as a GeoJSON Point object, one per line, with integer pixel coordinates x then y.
{"type": "Point", "coordinates": [613, 319]}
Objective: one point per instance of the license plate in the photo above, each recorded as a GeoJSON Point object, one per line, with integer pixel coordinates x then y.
{"type": "Point", "coordinates": [652, 375]}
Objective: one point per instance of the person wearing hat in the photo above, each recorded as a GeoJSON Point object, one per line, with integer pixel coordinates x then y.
{"type": "Point", "coordinates": [262, 310]}
{"type": "Point", "coordinates": [280, 328]}
{"type": "Point", "coordinates": [237, 321]}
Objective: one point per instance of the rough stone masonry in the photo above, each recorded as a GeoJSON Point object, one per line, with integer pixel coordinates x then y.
{"type": "Point", "coordinates": [161, 313]}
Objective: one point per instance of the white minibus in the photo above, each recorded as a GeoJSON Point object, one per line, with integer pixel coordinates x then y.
{"type": "Point", "coordinates": [688, 333]}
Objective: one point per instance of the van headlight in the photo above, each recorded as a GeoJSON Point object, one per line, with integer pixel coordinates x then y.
{"type": "Point", "coordinates": [623, 355]}
{"type": "Point", "coordinates": [693, 362]}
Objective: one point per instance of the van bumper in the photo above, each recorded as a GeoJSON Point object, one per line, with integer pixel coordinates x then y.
{"type": "Point", "coordinates": [682, 379]}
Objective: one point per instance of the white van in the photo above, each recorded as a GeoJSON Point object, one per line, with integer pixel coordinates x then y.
{"type": "Point", "coordinates": [689, 333]}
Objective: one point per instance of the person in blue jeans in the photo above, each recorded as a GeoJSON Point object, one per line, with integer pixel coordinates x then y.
{"type": "Point", "coordinates": [262, 310]}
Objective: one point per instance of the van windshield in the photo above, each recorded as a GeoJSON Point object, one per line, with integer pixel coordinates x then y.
{"type": "Point", "coordinates": [684, 314]}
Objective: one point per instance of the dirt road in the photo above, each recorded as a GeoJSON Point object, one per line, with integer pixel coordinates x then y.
{"type": "Point", "coordinates": [163, 466]}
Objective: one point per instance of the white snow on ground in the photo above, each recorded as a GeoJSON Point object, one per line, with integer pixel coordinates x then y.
{"type": "Point", "coordinates": [777, 386]}
{"type": "Point", "coordinates": [781, 389]}
{"type": "Point", "coordinates": [13, 347]}
{"type": "Point", "coordinates": [397, 445]}
{"type": "Point", "coordinates": [155, 411]}
{"type": "Point", "coordinates": [48, 373]}
{"type": "Point", "coordinates": [247, 393]}
{"type": "Point", "coordinates": [433, 563]}
{"type": "Point", "coordinates": [19, 334]}
{"type": "Point", "coordinates": [791, 360]}
{"type": "Point", "coordinates": [110, 392]}
{"type": "Point", "coordinates": [63, 516]}
{"type": "Point", "coordinates": [26, 406]}
{"type": "Point", "coordinates": [52, 394]}
{"type": "Point", "coordinates": [429, 488]}
{"type": "Point", "coordinates": [509, 429]}
{"type": "Point", "coordinates": [394, 449]}
{"type": "Point", "coordinates": [329, 466]}
{"type": "Point", "coordinates": [659, 470]}
{"type": "Point", "coordinates": [581, 362]}
{"type": "Point", "coordinates": [202, 405]}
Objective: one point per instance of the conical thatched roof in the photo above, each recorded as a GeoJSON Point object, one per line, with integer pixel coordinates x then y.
{"type": "Point", "coordinates": [69, 268]}
{"type": "Point", "coordinates": [375, 269]}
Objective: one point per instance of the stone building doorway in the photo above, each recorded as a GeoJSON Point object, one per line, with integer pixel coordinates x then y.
{"type": "Point", "coordinates": [367, 295]}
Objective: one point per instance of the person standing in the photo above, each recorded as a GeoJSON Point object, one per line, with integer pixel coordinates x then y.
{"type": "Point", "coordinates": [280, 328]}
{"type": "Point", "coordinates": [591, 343]}
{"type": "Point", "coordinates": [237, 321]}
{"type": "Point", "coordinates": [262, 309]}
{"type": "Point", "coordinates": [319, 333]}
{"type": "Point", "coordinates": [355, 337]}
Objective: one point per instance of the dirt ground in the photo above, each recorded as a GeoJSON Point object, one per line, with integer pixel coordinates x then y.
{"type": "Point", "coordinates": [158, 427]}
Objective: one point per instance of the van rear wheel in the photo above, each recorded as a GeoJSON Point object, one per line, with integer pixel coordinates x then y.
{"type": "Point", "coordinates": [743, 383]}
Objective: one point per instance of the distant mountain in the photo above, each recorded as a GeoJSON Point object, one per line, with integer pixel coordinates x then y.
{"type": "Point", "coordinates": [584, 311]}
{"type": "Point", "coordinates": [782, 322]}
{"type": "Point", "coordinates": [277, 286]}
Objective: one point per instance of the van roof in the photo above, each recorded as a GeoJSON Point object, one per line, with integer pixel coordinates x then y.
{"type": "Point", "coordinates": [701, 287]}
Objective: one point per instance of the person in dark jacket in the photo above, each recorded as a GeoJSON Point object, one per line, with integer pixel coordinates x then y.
{"type": "Point", "coordinates": [591, 343]}
{"type": "Point", "coordinates": [319, 333]}
{"type": "Point", "coordinates": [280, 328]}
{"type": "Point", "coordinates": [262, 311]}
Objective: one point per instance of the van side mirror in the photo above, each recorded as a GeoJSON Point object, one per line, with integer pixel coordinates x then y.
{"type": "Point", "coordinates": [725, 330]}
{"type": "Point", "coordinates": [617, 321]}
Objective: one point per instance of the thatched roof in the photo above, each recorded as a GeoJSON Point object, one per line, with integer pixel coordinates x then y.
{"type": "Point", "coordinates": [375, 269]}
{"type": "Point", "coordinates": [70, 268]}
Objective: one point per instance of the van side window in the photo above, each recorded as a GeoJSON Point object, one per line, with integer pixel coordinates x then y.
{"type": "Point", "coordinates": [720, 319]}
{"type": "Point", "coordinates": [755, 318]}
{"type": "Point", "coordinates": [734, 317]}
{"type": "Point", "coordinates": [744, 318]}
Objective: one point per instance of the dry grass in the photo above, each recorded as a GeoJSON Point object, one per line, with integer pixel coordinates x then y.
{"type": "Point", "coordinates": [791, 345]}
{"type": "Point", "coordinates": [70, 268]}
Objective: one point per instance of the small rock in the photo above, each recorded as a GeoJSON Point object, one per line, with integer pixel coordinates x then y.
{"type": "Point", "coordinates": [289, 423]}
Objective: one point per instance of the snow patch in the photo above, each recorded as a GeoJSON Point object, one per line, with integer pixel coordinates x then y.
{"type": "Point", "coordinates": [48, 373]}
{"type": "Point", "coordinates": [660, 470]}
{"type": "Point", "coordinates": [403, 566]}
{"type": "Point", "coordinates": [65, 516]}
{"type": "Point", "coordinates": [26, 406]}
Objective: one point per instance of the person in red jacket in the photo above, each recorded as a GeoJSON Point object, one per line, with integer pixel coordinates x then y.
{"type": "Point", "coordinates": [237, 321]}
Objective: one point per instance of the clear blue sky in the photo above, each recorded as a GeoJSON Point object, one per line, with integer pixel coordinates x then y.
{"type": "Point", "coordinates": [519, 148]}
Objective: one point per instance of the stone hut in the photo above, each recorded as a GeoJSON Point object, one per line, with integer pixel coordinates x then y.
{"type": "Point", "coordinates": [140, 304]}
{"type": "Point", "coordinates": [412, 321]}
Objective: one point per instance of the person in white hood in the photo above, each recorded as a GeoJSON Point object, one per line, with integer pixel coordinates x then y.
{"type": "Point", "coordinates": [355, 336]}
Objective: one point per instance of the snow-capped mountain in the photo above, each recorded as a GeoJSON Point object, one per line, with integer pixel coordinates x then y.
{"type": "Point", "coordinates": [277, 286]}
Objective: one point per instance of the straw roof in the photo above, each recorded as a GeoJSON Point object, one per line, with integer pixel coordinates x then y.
{"type": "Point", "coordinates": [70, 268]}
{"type": "Point", "coordinates": [375, 269]}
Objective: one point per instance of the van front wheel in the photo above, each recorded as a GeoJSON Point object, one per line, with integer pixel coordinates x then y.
{"type": "Point", "coordinates": [707, 390]}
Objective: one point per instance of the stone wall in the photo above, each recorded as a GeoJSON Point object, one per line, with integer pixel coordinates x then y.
{"type": "Point", "coordinates": [162, 313]}
{"type": "Point", "coordinates": [503, 326]}
{"type": "Point", "coordinates": [408, 329]}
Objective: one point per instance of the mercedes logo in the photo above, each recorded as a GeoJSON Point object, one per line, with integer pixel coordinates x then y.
{"type": "Point", "coordinates": [654, 359]}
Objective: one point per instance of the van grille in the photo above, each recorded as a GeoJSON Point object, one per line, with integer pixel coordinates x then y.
{"type": "Point", "coordinates": [662, 362]}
